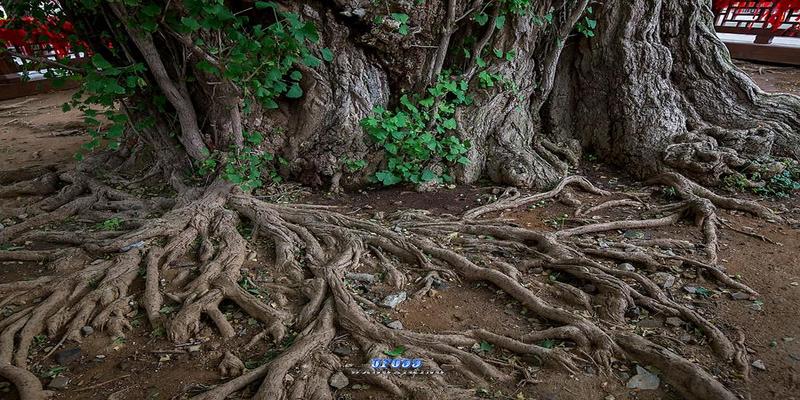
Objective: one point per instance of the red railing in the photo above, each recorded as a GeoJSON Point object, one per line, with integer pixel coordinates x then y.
{"type": "Point", "coordinates": [765, 19]}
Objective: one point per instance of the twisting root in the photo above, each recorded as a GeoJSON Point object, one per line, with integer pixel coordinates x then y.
{"type": "Point", "coordinates": [586, 306]}
{"type": "Point", "coordinates": [28, 386]}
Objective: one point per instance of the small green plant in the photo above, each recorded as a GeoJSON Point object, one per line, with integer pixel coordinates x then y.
{"type": "Point", "coordinates": [548, 343]}
{"type": "Point", "coordinates": [53, 372]}
{"type": "Point", "coordinates": [111, 224]}
{"type": "Point", "coordinates": [780, 185]}
{"type": "Point", "coordinates": [418, 133]}
{"type": "Point", "coordinates": [40, 339]}
{"type": "Point", "coordinates": [158, 332]}
{"type": "Point", "coordinates": [485, 346]}
{"type": "Point", "coordinates": [402, 19]}
{"type": "Point", "coordinates": [245, 167]}
{"type": "Point", "coordinates": [587, 25]}
{"type": "Point", "coordinates": [247, 284]}
{"type": "Point", "coordinates": [354, 165]}
{"type": "Point", "coordinates": [395, 352]}
{"type": "Point", "coordinates": [670, 193]}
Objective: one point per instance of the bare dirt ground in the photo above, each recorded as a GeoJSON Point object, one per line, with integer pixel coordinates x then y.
{"type": "Point", "coordinates": [144, 365]}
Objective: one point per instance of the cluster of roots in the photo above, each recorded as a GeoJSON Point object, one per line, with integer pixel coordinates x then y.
{"type": "Point", "coordinates": [191, 252]}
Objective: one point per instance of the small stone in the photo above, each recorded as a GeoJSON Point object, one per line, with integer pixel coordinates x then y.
{"type": "Point", "coordinates": [2, 227]}
{"type": "Point", "coordinates": [643, 380]}
{"type": "Point", "coordinates": [609, 397]}
{"type": "Point", "coordinates": [690, 289]}
{"type": "Point", "coordinates": [686, 338]}
{"type": "Point", "coordinates": [342, 350]}
{"type": "Point", "coordinates": [395, 325]}
{"type": "Point", "coordinates": [252, 256]}
{"type": "Point", "coordinates": [674, 321]}
{"type": "Point", "coordinates": [359, 12]}
{"type": "Point", "coordinates": [59, 383]}
{"type": "Point", "coordinates": [67, 356]}
{"type": "Point", "coordinates": [194, 348]}
{"type": "Point", "coordinates": [137, 245]}
{"type": "Point", "coordinates": [626, 267]}
{"type": "Point", "coordinates": [634, 234]}
{"type": "Point", "coordinates": [664, 279]}
{"type": "Point", "coordinates": [758, 364]}
{"type": "Point", "coordinates": [87, 330]}
{"type": "Point", "coordinates": [23, 216]}
{"type": "Point", "coordinates": [366, 278]}
{"type": "Point", "coordinates": [100, 357]}
{"type": "Point", "coordinates": [740, 296]}
{"type": "Point", "coordinates": [339, 380]}
{"type": "Point", "coordinates": [439, 284]}
{"type": "Point", "coordinates": [650, 323]}
{"type": "Point", "coordinates": [392, 300]}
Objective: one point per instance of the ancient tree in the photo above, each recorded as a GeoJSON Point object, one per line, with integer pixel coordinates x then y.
{"type": "Point", "coordinates": [218, 97]}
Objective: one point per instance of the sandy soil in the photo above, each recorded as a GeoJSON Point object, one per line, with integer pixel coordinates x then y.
{"type": "Point", "coordinates": [34, 132]}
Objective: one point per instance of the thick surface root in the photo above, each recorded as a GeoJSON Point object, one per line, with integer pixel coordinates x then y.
{"type": "Point", "coordinates": [316, 250]}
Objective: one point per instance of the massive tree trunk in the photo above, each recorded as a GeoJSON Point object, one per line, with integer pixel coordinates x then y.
{"type": "Point", "coordinates": [653, 90]}
{"type": "Point", "coordinates": [644, 84]}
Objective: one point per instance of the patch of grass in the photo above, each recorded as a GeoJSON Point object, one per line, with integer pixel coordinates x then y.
{"type": "Point", "coordinates": [112, 224]}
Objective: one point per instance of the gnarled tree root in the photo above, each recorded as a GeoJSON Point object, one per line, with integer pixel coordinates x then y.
{"type": "Point", "coordinates": [316, 247]}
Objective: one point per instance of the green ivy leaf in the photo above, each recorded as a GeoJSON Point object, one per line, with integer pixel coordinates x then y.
{"type": "Point", "coordinates": [481, 18]}
{"type": "Point", "coordinates": [389, 179]}
{"type": "Point", "coordinates": [449, 123]}
{"type": "Point", "coordinates": [400, 17]}
{"type": "Point", "coordinates": [295, 91]}
{"type": "Point", "coordinates": [311, 61]}
{"type": "Point", "coordinates": [190, 23]}
{"type": "Point", "coordinates": [327, 54]}
{"type": "Point", "coordinates": [500, 21]}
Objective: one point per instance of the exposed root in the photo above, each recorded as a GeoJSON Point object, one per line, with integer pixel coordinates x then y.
{"type": "Point", "coordinates": [315, 248]}
{"type": "Point", "coordinates": [27, 384]}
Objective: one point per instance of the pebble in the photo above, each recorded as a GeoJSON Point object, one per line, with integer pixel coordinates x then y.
{"type": "Point", "coordinates": [339, 380]}
{"type": "Point", "coordinates": [67, 356]}
{"type": "Point", "coordinates": [342, 350]}
{"type": "Point", "coordinates": [758, 364]}
{"type": "Point", "coordinates": [626, 267]}
{"type": "Point", "coordinates": [392, 300]}
{"type": "Point", "coordinates": [674, 321]}
{"type": "Point", "coordinates": [137, 245]}
{"type": "Point", "coordinates": [367, 278]}
{"type": "Point", "coordinates": [395, 325]}
{"type": "Point", "coordinates": [664, 279]}
{"type": "Point", "coordinates": [87, 330]}
{"type": "Point", "coordinates": [194, 348]}
{"type": "Point", "coordinates": [59, 383]}
{"type": "Point", "coordinates": [650, 323]}
{"type": "Point", "coordinates": [740, 296]}
{"type": "Point", "coordinates": [643, 380]}
{"type": "Point", "coordinates": [2, 227]}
